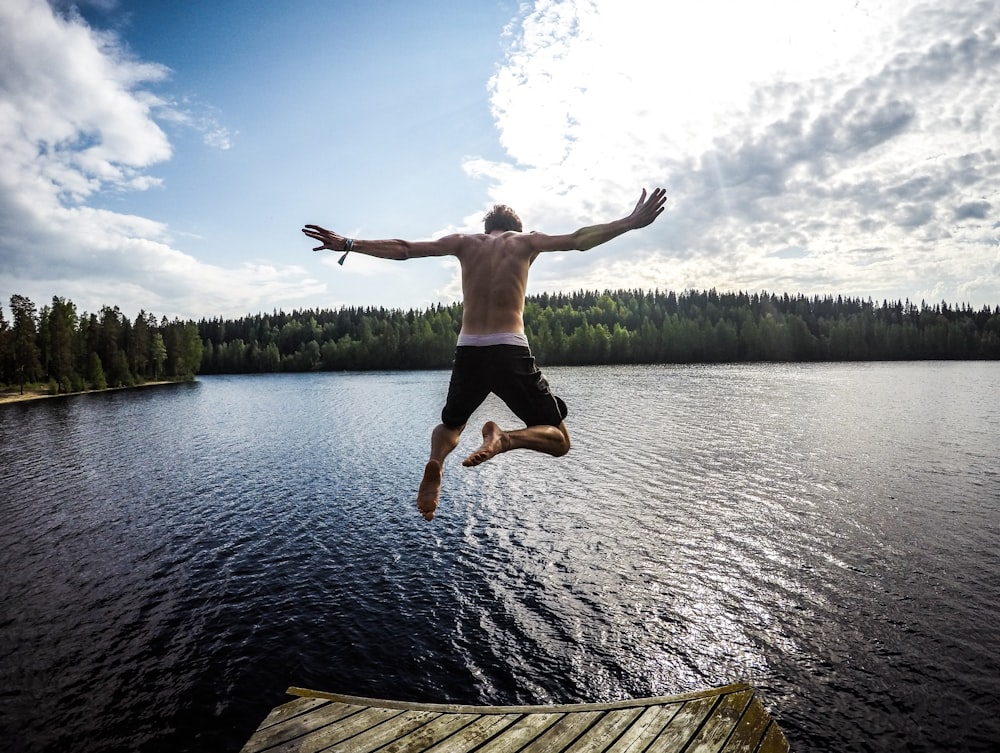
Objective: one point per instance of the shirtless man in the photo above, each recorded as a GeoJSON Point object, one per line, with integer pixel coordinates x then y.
{"type": "Point", "coordinates": [492, 353]}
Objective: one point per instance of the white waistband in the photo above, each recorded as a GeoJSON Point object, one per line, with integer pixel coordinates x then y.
{"type": "Point", "coordinates": [493, 338]}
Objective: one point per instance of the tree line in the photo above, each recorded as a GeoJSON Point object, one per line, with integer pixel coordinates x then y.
{"type": "Point", "coordinates": [620, 327]}
{"type": "Point", "coordinates": [69, 352]}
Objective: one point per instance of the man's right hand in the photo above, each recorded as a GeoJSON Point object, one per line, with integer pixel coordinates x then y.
{"type": "Point", "coordinates": [331, 241]}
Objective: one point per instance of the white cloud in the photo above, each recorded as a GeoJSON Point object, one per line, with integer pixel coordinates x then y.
{"type": "Point", "coordinates": [78, 118]}
{"type": "Point", "coordinates": [861, 133]}
{"type": "Point", "coordinates": [846, 147]}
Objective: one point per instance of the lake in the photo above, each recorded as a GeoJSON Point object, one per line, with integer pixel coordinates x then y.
{"type": "Point", "coordinates": [173, 558]}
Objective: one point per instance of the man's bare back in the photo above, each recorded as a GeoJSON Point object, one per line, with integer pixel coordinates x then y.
{"type": "Point", "coordinates": [495, 268]}
{"type": "Point", "coordinates": [494, 281]}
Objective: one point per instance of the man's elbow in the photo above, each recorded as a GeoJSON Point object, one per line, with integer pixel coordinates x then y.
{"type": "Point", "coordinates": [582, 241]}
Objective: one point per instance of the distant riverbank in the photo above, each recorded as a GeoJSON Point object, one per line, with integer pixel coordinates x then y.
{"type": "Point", "coordinates": [15, 396]}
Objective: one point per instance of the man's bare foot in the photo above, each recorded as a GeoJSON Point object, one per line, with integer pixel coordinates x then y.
{"type": "Point", "coordinates": [430, 489]}
{"type": "Point", "coordinates": [493, 444]}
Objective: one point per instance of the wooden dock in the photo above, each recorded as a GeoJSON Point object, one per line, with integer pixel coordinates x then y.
{"type": "Point", "coordinates": [730, 719]}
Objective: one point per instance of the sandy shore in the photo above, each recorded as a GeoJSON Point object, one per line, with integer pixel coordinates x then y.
{"type": "Point", "coordinates": [17, 397]}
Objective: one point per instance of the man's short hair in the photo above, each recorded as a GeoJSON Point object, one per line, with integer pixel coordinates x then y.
{"type": "Point", "coordinates": [502, 217]}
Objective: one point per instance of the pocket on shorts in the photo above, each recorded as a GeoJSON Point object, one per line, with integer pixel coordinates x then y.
{"type": "Point", "coordinates": [524, 366]}
{"type": "Point", "coordinates": [531, 376]}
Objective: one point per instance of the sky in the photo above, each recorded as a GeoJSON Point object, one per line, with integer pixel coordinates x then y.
{"type": "Point", "coordinates": [163, 157]}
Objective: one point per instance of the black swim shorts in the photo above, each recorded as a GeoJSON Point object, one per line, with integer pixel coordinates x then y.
{"type": "Point", "coordinates": [509, 372]}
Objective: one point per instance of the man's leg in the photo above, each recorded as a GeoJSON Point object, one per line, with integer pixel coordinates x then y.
{"type": "Point", "coordinates": [444, 439]}
{"type": "Point", "coordinates": [552, 440]}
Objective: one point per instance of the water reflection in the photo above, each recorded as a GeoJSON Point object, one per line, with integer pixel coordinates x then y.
{"type": "Point", "coordinates": [824, 533]}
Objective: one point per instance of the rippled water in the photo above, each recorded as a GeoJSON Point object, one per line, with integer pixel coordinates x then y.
{"type": "Point", "coordinates": [173, 558]}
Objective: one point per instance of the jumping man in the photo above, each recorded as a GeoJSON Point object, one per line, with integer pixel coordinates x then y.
{"type": "Point", "coordinates": [492, 354]}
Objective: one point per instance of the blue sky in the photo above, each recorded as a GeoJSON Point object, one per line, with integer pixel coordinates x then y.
{"type": "Point", "coordinates": [163, 156]}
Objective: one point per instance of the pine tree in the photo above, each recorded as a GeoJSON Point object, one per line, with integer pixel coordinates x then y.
{"type": "Point", "coordinates": [27, 365]}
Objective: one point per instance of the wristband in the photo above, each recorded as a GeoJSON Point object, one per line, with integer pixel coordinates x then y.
{"type": "Point", "coordinates": [347, 249]}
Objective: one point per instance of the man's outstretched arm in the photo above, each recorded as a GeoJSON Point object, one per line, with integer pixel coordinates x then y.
{"type": "Point", "coordinates": [645, 212]}
{"type": "Point", "coordinates": [383, 249]}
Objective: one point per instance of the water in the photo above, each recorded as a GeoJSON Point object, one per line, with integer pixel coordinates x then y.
{"type": "Point", "coordinates": [173, 558]}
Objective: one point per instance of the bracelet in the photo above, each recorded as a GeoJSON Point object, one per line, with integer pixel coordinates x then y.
{"type": "Point", "coordinates": [347, 249]}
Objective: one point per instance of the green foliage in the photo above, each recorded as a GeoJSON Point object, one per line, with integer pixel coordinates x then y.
{"type": "Point", "coordinates": [72, 352]}
{"type": "Point", "coordinates": [66, 352]}
{"type": "Point", "coordinates": [95, 373]}
{"type": "Point", "coordinates": [624, 326]}
{"type": "Point", "coordinates": [25, 364]}
{"type": "Point", "coordinates": [328, 340]}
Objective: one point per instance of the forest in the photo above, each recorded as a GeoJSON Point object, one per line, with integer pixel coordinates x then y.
{"type": "Point", "coordinates": [61, 351]}
{"type": "Point", "coordinates": [68, 352]}
{"type": "Point", "coordinates": [613, 327]}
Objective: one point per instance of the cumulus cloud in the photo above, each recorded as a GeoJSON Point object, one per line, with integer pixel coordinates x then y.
{"type": "Point", "coordinates": [80, 117]}
{"type": "Point", "coordinates": [859, 134]}
{"type": "Point", "coordinates": [838, 147]}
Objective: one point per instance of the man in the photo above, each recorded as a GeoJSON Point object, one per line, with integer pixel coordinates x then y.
{"type": "Point", "coordinates": [492, 353]}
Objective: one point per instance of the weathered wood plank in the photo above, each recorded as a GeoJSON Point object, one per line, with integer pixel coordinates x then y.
{"type": "Point", "coordinates": [608, 729]}
{"type": "Point", "coordinates": [332, 734]}
{"type": "Point", "coordinates": [750, 730]}
{"type": "Point", "coordinates": [567, 729]}
{"type": "Point", "coordinates": [684, 724]}
{"type": "Point", "coordinates": [292, 708]}
{"type": "Point", "coordinates": [521, 733]}
{"type": "Point", "coordinates": [293, 727]}
{"type": "Point", "coordinates": [774, 740]}
{"type": "Point", "coordinates": [645, 729]}
{"type": "Point", "coordinates": [720, 724]}
{"type": "Point", "coordinates": [471, 737]}
{"type": "Point", "coordinates": [443, 727]}
{"type": "Point", "coordinates": [385, 732]}
{"type": "Point", "coordinates": [454, 708]}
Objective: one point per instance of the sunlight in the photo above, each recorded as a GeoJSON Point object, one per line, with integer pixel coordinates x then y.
{"type": "Point", "coordinates": [584, 69]}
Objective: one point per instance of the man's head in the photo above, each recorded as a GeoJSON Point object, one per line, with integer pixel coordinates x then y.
{"type": "Point", "coordinates": [502, 217]}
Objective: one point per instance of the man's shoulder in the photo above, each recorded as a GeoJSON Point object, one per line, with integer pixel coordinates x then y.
{"type": "Point", "coordinates": [509, 240]}
{"type": "Point", "coordinates": [455, 244]}
{"type": "Point", "coordinates": [469, 239]}
{"type": "Point", "coordinates": [515, 239]}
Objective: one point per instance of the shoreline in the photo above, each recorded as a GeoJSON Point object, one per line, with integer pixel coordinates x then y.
{"type": "Point", "coordinates": [39, 394]}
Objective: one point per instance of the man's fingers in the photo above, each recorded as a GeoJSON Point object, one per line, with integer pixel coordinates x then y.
{"type": "Point", "coordinates": [658, 198]}
{"type": "Point", "coordinates": [642, 198]}
{"type": "Point", "coordinates": [321, 234]}
{"type": "Point", "coordinates": [647, 210]}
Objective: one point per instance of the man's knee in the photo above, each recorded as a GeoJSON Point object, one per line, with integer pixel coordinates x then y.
{"type": "Point", "coordinates": [447, 435]}
{"type": "Point", "coordinates": [563, 445]}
